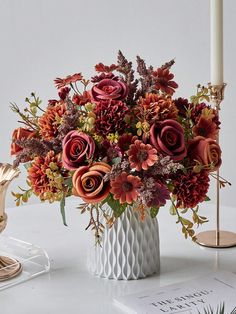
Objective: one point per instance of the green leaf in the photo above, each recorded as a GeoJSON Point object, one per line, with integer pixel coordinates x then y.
{"type": "Point", "coordinates": [184, 211]}
{"type": "Point", "coordinates": [115, 205]}
{"type": "Point", "coordinates": [187, 222]}
{"type": "Point", "coordinates": [27, 165]}
{"type": "Point", "coordinates": [173, 210]}
{"type": "Point", "coordinates": [116, 160]}
{"type": "Point", "coordinates": [207, 199]}
{"type": "Point", "coordinates": [154, 211]}
{"type": "Point", "coordinates": [62, 208]}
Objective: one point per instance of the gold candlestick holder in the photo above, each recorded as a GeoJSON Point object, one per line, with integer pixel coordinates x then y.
{"type": "Point", "coordinates": [217, 238]}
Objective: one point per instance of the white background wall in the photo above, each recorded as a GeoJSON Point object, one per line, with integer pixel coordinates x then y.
{"type": "Point", "coordinates": [43, 39]}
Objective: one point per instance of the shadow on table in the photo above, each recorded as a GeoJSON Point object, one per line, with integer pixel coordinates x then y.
{"type": "Point", "coordinates": [173, 264]}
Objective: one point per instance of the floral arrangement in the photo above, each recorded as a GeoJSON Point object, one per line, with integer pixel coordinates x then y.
{"type": "Point", "coordinates": [120, 140]}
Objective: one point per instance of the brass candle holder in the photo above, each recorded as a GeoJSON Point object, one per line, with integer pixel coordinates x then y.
{"type": "Point", "coordinates": [217, 238]}
{"type": "Point", "coordinates": [9, 267]}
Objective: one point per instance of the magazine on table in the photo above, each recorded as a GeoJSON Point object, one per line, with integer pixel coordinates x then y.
{"type": "Point", "coordinates": [192, 297]}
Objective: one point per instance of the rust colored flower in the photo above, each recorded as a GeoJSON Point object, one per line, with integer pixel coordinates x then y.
{"type": "Point", "coordinates": [62, 82]}
{"type": "Point", "coordinates": [51, 120]}
{"type": "Point", "coordinates": [163, 81]}
{"type": "Point", "coordinates": [124, 188]}
{"type": "Point", "coordinates": [154, 107]}
{"type": "Point", "coordinates": [46, 177]}
{"type": "Point", "coordinates": [206, 128]}
{"type": "Point", "coordinates": [100, 67]}
{"type": "Point", "coordinates": [19, 135]}
{"type": "Point", "coordinates": [206, 151]}
{"type": "Point", "coordinates": [88, 182]}
{"type": "Point", "coordinates": [81, 100]}
{"type": "Point", "coordinates": [191, 189]}
{"type": "Point", "coordinates": [125, 141]}
{"type": "Point", "coordinates": [110, 117]}
{"type": "Point", "coordinates": [108, 89]}
{"type": "Point", "coordinates": [141, 156]}
{"type": "Point", "coordinates": [197, 111]}
{"type": "Point", "coordinates": [168, 139]}
{"type": "Point", "coordinates": [77, 148]}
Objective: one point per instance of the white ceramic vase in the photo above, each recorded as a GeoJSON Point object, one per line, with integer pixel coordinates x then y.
{"type": "Point", "coordinates": [130, 249]}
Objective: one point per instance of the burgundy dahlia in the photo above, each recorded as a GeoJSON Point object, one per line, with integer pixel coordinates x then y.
{"type": "Point", "coordinates": [191, 188]}
{"type": "Point", "coordinates": [110, 115]}
{"type": "Point", "coordinates": [182, 105]}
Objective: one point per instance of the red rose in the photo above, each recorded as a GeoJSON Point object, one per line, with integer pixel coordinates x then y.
{"type": "Point", "coordinates": [109, 89]}
{"type": "Point", "coordinates": [206, 151]}
{"type": "Point", "coordinates": [77, 147]}
{"type": "Point", "coordinates": [88, 182]}
{"type": "Point", "coordinates": [168, 138]}
{"type": "Point", "coordinates": [20, 134]}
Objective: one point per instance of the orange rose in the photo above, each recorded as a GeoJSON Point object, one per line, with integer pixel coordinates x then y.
{"type": "Point", "coordinates": [88, 182]}
{"type": "Point", "coordinates": [206, 151]}
{"type": "Point", "coordinates": [20, 134]}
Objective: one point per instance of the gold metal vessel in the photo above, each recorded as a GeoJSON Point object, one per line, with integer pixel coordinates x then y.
{"type": "Point", "coordinates": [9, 267]}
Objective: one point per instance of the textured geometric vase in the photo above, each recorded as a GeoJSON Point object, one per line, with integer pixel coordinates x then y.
{"type": "Point", "coordinates": [130, 249]}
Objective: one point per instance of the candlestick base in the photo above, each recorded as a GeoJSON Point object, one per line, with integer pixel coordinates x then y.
{"type": "Point", "coordinates": [227, 239]}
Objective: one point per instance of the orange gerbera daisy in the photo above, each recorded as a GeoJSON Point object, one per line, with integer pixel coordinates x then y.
{"type": "Point", "coordinates": [62, 82]}
{"type": "Point", "coordinates": [142, 156]}
{"type": "Point", "coordinates": [124, 188]}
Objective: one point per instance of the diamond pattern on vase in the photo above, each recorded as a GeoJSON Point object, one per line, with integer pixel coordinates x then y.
{"type": "Point", "coordinates": [130, 249]}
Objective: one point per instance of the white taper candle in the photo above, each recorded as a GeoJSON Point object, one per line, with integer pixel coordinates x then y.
{"type": "Point", "coordinates": [217, 77]}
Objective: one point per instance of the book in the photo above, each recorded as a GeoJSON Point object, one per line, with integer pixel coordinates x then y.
{"type": "Point", "coordinates": [190, 297]}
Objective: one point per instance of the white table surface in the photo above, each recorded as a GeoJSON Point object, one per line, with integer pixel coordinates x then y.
{"type": "Point", "coordinates": [69, 288]}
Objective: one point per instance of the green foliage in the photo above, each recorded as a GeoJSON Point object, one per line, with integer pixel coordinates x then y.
{"type": "Point", "coordinates": [154, 211]}
{"type": "Point", "coordinates": [203, 94]}
{"type": "Point", "coordinates": [23, 197]}
{"type": "Point", "coordinates": [197, 219]}
{"type": "Point", "coordinates": [173, 210]}
{"type": "Point", "coordinates": [62, 209]}
{"type": "Point", "coordinates": [187, 225]}
{"type": "Point", "coordinates": [29, 114]}
{"type": "Point", "coordinates": [115, 205]}
{"type": "Point", "coordinates": [220, 310]}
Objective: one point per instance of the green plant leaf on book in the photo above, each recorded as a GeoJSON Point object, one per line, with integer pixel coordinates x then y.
{"type": "Point", "coordinates": [219, 310]}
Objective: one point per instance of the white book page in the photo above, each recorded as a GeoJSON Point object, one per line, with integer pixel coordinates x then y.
{"type": "Point", "coordinates": [189, 297]}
